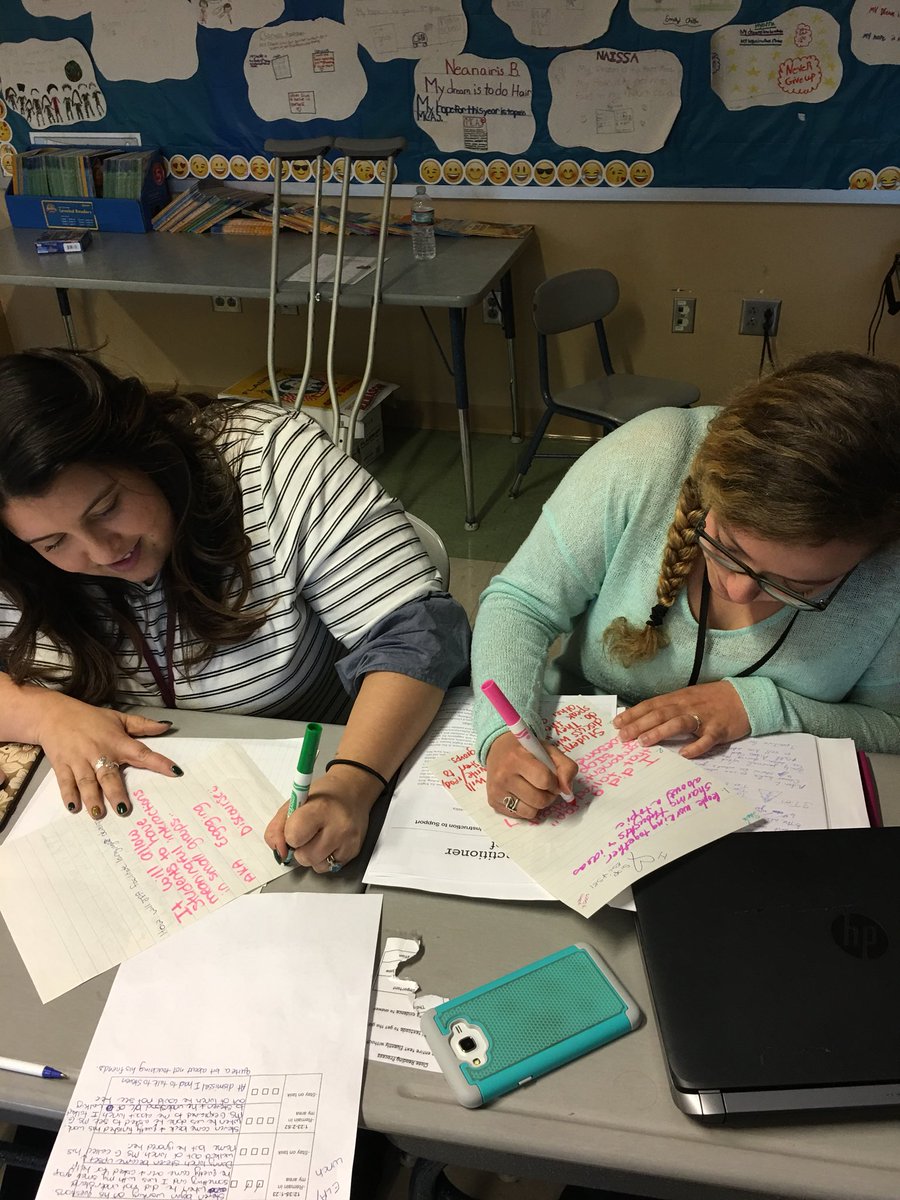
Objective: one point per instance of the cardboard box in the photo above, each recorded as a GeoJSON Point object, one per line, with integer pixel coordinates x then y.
{"type": "Point", "coordinates": [368, 444]}
{"type": "Point", "coordinates": [65, 241]}
{"type": "Point", "coordinates": [94, 212]}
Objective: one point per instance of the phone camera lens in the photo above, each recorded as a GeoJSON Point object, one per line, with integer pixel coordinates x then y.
{"type": "Point", "coordinates": [467, 1043]}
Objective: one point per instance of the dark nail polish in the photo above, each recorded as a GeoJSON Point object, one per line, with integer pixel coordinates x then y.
{"type": "Point", "coordinates": [278, 858]}
{"type": "Point", "coordinates": [96, 812]}
{"type": "Point", "coordinates": [122, 809]}
{"type": "Point", "coordinates": [177, 771]}
{"type": "Point", "coordinates": [169, 723]}
{"type": "Point", "coordinates": [71, 806]}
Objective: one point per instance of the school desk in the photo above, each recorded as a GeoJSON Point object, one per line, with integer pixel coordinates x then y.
{"type": "Point", "coordinates": [463, 272]}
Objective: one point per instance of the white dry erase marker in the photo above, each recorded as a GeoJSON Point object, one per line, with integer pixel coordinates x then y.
{"type": "Point", "coordinates": [520, 730]}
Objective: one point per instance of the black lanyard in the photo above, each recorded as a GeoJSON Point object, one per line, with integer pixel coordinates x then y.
{"type": "Point", "coordinates": [701, 637]}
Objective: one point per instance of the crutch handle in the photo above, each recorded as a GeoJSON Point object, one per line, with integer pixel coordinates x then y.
{"type": "Point", "coordinates": [310, 148]}
{"type": "Point", "coordinates": [369, 147]}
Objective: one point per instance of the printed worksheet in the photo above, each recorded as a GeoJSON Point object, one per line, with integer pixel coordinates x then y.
{"type": "Point", "coordinates": [428, 841]}
{"type": "Point", "coordinates": [80, 896]}
{"type": "Point", "coordinates": [228, 1062]}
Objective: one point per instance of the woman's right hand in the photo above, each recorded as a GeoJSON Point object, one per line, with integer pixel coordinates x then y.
{"type": "Point", "coordinates": [514, 773]}
{"type": "Point", "coordinates": [75, 737]}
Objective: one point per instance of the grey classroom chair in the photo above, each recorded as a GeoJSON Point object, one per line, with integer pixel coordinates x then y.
{"type": "Point", "coordinates": [570, 301]}
{"type": "Point", "coordinates": [434, 547]}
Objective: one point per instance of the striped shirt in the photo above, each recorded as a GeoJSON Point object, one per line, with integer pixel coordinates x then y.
{"type": "Point", "coordinates": [331, 557]}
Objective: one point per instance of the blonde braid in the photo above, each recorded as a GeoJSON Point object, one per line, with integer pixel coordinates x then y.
{"type": "Point", "coordinates": [628, 643]}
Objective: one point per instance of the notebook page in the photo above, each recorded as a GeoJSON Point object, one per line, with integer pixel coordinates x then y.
{"type": "Point", "coordinates": [778, 775]}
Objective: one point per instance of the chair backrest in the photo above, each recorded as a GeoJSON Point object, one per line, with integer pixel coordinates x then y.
{"type": "Point", "coordinates": [573, 299]}
{"type": "Point", "coordinates": [434, 547]}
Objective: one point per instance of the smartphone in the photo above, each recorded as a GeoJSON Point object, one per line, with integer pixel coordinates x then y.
{"type": "Point", "coordinates": [497, 1037]}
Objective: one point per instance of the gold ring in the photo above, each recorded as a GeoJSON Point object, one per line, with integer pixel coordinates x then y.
{"type": "Point", "coordinates": [511, 802]}
{"type": "Point", "coordinates": [698, 724]}
{"type": "Point", "coordinates": [103, 762]}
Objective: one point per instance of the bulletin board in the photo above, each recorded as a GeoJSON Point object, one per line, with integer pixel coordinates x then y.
{"type": "Point", "coordinates": [589, 99]}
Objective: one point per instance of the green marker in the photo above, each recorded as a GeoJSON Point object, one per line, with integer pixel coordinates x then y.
{"type": "Point", "coordinates": [304, 774]}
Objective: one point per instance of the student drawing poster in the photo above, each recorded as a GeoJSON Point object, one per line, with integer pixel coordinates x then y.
{"type": "Point", "coordinates": [608, 99]}
{"type": "Point", "coordinates": [683, 16]}
{"type": "Point", "coordinates": [302, 70]}
{"type": "Point", "coordinates": [875, 32]}
{"type": "Point", "coordinates": [793, 57]}
{"type": "Point", "coordinates": [555, 22]}
{"type": "Point", "coordinates": [482, 105]}
{"type": "Point", "coordinates": [407, 28]}
{"type": "Point", "coordinates": [50, 83]}
{"type": "Point", "coordinates": [237, 14]}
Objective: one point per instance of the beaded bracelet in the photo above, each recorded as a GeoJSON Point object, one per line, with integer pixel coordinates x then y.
{"type": "Point", "coordinates": [351, 762]}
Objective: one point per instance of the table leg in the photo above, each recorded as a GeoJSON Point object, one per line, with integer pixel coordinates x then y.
{"type": "Point", "coordinates": [461, 387]}
{"type": "Point", "coordinates": [508, 317]}
{"type": "Point", "coordinates": [65, 310]}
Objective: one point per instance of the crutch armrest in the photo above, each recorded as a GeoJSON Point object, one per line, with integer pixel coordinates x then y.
{"type": "Point", "coordinates": [369, 147]}
{"type": "Point", "coordinates": [308, 148]}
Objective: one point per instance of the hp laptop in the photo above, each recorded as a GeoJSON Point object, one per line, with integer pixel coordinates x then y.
{"type": "Point", "coordinates": [774, 967]}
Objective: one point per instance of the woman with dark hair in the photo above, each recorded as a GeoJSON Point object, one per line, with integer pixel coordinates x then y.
{"type": "Point", "coordinates": [776, 606]}
{"type": "Point", "coordinates": [161, 549]}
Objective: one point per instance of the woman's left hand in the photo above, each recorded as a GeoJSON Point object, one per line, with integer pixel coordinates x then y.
{"type": "Point", "coordinates": [712, 713]}
{"type": "Point", "coordinates": [332, 822]}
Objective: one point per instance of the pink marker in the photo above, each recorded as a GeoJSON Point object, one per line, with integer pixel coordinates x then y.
{"type": "Point", "coordinates": [519, 729]}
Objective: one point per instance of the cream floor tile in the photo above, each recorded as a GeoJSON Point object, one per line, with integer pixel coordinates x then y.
{"type": "Point", "coordinates": [468, 579]}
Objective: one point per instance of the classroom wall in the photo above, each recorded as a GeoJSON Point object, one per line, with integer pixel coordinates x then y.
{"type": "Point", "coordinates": [825, 262]}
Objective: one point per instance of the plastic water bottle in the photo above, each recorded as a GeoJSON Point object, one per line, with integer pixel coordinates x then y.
{"type": "Point", "coordinates": [422, 226]}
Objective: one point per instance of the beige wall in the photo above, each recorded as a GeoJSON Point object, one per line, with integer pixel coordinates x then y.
{"type": "Point", "coordinates": [825, 262]}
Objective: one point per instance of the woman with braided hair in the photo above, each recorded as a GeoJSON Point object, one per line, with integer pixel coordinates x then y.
{"type": "Point", "coordinates": [769, 602]}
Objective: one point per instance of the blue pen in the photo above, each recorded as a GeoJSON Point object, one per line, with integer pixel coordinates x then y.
{"type": "Point", "coordinates": [303, 775]}
{"type": "Point", "coordinates": [27, 1068]}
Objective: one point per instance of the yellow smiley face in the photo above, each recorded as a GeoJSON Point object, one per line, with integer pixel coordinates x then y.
{"type": "Point", "coordinates": [364, 170]}
{"type": "Point", "coordinates": [430, 171]}
{"type": "Point", "coordinates": [218, 166]}
{"type": "Point", "coordinates": [521, 172]}
{"type": "Point", "coordinates": [568, 172]}
{"type": "Point", "coordinates": [239, 166]}
{"type": "Point", "coordinates": [199, 166]}
{"type": "Point", "coordinates": [498, 171]}
{"type": "Point", "coordinates": [453, 171]}
{"type": "Point", "coordinates": [381, 170]}
{"type": "Point", "coordinates": [591, 172]}
{"type": "Point", "coordinates": [640, 173]}
{"type": "Point", "coordinates": [475, 171]}
{"type": "Point", "coordinates": [616, 173]}
{"type": "Point", "coordinates": [544, 171]}
{"type": "Point", "coordinates": [337, 170]}
{"type": "Point", "coordinates": [888, 179]}
{"type": "Point", "coordinates": [259, 167]}
{"type": "Point", "coordinates": [301, 170]}
{"type": "Point", "coordinates": [178, 166]}
{"type": "Point", "coordinates": [326, 169]}
{"type": "Point", "coordinates": [862, 180]}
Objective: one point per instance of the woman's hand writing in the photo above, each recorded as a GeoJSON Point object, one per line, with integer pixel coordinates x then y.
{"type": "Point", "coordinates": [332, 821]}
{"type": "Point", "coordinates": [711, 713]}
{"type": "Point", "coordinates": [514, 775]}
{"type": "Point", "coordinates": [87, 745]}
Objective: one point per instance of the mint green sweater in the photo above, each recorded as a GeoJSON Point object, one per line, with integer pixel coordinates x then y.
{"type": "Point", "coordinates": [594, 554]}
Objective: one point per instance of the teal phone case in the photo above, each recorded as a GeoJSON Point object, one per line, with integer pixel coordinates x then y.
{"type": "Point", "coordinates": [532, 1020]}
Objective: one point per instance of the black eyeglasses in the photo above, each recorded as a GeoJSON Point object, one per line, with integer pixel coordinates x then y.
{"type": "Point", "coordinates": [714, 550]}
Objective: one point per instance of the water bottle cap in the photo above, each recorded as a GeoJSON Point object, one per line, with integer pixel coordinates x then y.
{"type": "Point", "coordinates": [420, 189]}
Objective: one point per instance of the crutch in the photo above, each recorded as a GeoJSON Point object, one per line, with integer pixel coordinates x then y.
{"type": "Point", "coordinates": [352, 149]}
{"type": "Point", "coordinates": [312, 148]}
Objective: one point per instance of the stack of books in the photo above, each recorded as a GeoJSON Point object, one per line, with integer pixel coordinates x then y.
{"type": "Point", "coordinates": [203, 205]}
{"type": "Point", "coordinates": [77, 172]}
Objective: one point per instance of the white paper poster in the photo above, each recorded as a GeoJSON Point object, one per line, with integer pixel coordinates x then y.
{"type": "Point", "coordinates": [555, 22]}
{"type": "Point", "coordinates": [683, 16]}
{"type": "Point", "coordinates": [407, 29]}
{"type": "Point", "coordinates": [610, 99]}
{"type": "Point", "coordinates": [146, 40]}
{"type": "Point", "coordinates": [237, 14]}
{"type": "Point", "coordinates": [50, 83]}
{"type": "Point", "coordinates": [875, 32]}
{"type": "Point", "coordinates": [303, 70]}
{"type": "Point", "coordinates": [791, 58]}
{"type": "Point", "coordinates": [476, 104]}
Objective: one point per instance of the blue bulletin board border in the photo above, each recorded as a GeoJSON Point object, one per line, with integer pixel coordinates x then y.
{"type": "Point", "coordinates": [842, 150]}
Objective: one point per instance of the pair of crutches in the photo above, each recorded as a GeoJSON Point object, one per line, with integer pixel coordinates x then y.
{"type": "Point", "coordinates": [314, 151]}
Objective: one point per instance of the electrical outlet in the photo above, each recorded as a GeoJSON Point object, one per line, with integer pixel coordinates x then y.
{"type": "Point", "coordinates": [229, 304]}
{"type": "Point", "coordinates": [288, 310]}
{"type": "Point", "coordinates": [683, 309]}
{"type": "Point", "coordinates": [753, 316]}
{"type": "Point", "coordinates": [490, 310]}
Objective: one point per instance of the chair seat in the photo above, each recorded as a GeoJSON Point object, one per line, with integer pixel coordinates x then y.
{"type": "Point", "coordinates": [620, 398]}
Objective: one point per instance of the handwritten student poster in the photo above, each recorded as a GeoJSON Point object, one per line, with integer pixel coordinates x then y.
{"type": "Point", "coordinates": [599, 100]}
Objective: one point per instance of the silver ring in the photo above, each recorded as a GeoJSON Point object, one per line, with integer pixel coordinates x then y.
{"type": "Point", "coordinates": [104, 762]}
{"type": "Point", "coordinates": [511, 802]}
{"type": "Point", "coordinates": [333, 864]}
{"type": "Point", "coordinates": [698, 724]}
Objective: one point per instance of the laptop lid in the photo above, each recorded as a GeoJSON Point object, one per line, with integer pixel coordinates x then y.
{"type": "Point", "coordinates": [774, 967]}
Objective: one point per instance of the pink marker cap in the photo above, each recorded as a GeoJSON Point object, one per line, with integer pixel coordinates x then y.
{"type": "Point", "coordinates": [500, 702]}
